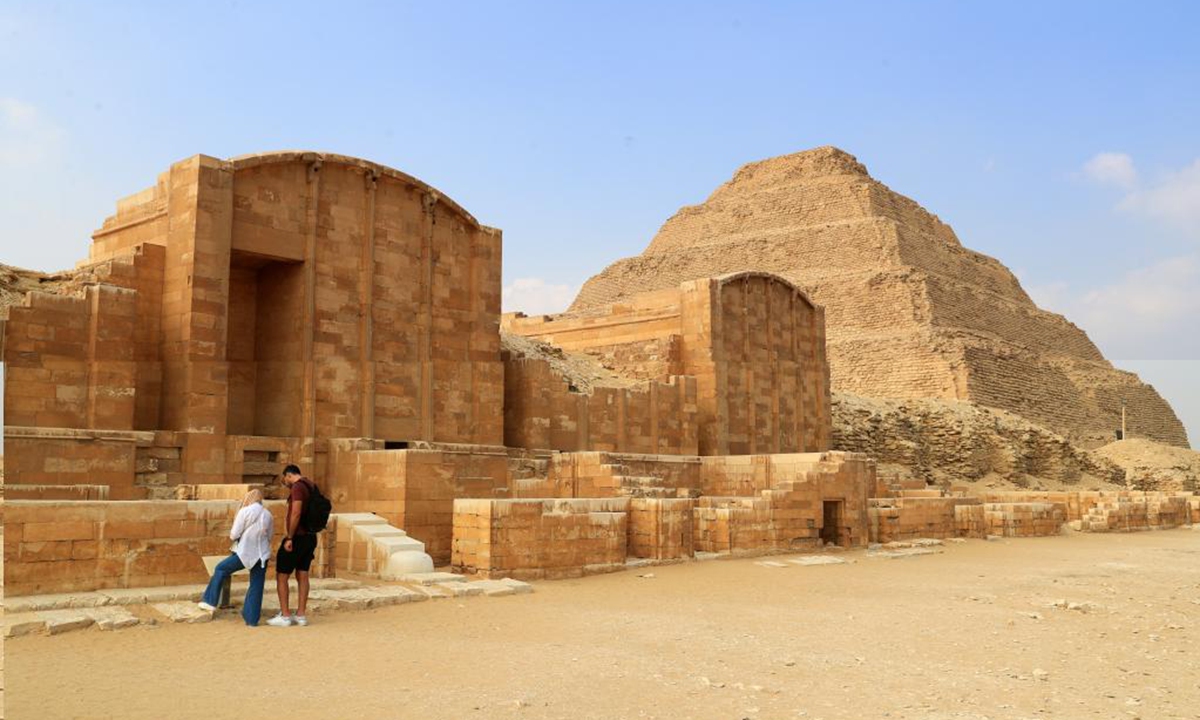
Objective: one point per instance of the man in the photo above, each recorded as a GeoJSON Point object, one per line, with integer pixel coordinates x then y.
{"type": "Point", "coordinates": [296, 552]}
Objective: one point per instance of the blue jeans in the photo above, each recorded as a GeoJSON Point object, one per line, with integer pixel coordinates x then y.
{"type": "Point", "coordinates": [252, 607]}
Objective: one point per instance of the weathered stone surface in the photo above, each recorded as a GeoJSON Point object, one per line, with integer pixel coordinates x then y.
{"type": "Point", "coordinates": [816, 560]}
{"type": "Point", "coordinates": [24, 623]}
{"type": "Point", "coordinates": [946, 442]}
{"type": "Point", "coordinates": [493, 588]}
{"type": "Point", "coordinates": [432, 578]}
{"type": "Point", "coordinates": [61, 621]}
{"type": "Point", "coordinates": [112, 618]}
{"type": "Point", "coordinates": [182, 612]}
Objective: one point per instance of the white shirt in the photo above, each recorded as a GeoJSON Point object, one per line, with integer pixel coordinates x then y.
{"type": "Point", "coordinates": [253, 528]}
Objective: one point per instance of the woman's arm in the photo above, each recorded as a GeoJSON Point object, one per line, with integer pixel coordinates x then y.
{"type": "Point", "coordinates": [239, 524]}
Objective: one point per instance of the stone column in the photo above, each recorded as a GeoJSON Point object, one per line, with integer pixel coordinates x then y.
{"type": "Point", "coordinates": [195, 312]}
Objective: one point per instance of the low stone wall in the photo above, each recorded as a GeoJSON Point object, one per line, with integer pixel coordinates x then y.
{"type": "Point", "coordinates": [661, 528]}
{"type": "Point", "coordinates": [1028, 514]}
{"type": "Point", "coordinates": [62, 546]}
{"type": "Point", "coordinates": [56, 492]}
{"type": "Point", "coordinates": [534, 539]}
{"type": "Point", "coordinates": [414, 489]}
{"type": "Point", "coordinates": [733, 525]}
{"type": "Point", "coordinates": [906, 518]}
{"type": "Point", "coordinates": [1024, 519]}
{"type": "Point", "coordinates": [1126, 514]}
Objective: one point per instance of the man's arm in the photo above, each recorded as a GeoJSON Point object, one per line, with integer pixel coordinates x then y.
{"type": "Point", "coordinates": [295, 511]}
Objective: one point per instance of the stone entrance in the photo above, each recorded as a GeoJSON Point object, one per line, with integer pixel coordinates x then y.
{"type": "Point", "coordinates": [831, 522]}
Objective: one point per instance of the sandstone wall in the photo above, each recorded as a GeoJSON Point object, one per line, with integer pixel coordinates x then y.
{"type": "Point", "coordinates": [542, 411]}
{"type": "Point", "coordinates": [661, 528]}
{"type": "Point", "coordinates": [753, 342]}
{"type": "Point", "coordinates": [297, 296]}
{"type": "Point", "coordinates": [535, 539]}
{"type": "Point", "coordinates": [414, 489]}
{"type": "Point", "coordinates": [62, 546]}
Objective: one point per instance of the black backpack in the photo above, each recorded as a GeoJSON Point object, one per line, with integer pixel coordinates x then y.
{"type": "Point", "coordinates": [316, 509]}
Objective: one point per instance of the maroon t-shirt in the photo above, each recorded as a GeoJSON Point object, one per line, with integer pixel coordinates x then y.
{"type": "Point", "coordinates": [298, 496]}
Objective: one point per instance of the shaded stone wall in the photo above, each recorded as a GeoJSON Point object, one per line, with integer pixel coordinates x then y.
{"type": "Point", "coordinates": [753, 342]}
{"type": "Point", "coordinates": [541, 411]}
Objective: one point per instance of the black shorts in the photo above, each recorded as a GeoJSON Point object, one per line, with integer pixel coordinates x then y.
{"type": "Point", "coordinates": [300, 558]}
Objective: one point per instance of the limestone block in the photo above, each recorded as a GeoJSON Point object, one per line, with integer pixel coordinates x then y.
{"type": "Point", "coordinates": [57, 601]}
{"type": "Point", "coordinates": [186, 612]}
{"type": "Point", "coordinates": [405, 564]}
{"type": "Point", "coordinates": [493, 588]}
{"type": "Point", "coordinates": [60, 621]}
{"type": "Point", "coordinates": [460, 589]}
{"type": "Point", "coordinates": [816, 560]}
{"type": "Point", "coordinates": [18, 624]}
{"type": "Point", "coordinates": [519, 587]}
{"type": "Point", "coordinates": [431, 578]}
{"type": "Point", "coordinates": [112, 618]}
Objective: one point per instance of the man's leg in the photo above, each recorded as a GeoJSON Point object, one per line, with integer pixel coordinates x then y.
{"type": "Point", "coordinates": [302, 591]}
{"type": "Point", "coordinates": [281, 586]}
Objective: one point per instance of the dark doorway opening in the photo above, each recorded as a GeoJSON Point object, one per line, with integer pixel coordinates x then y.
{"type": "Point", "coordinates": [395, 444]}
{"type": "Point", "coordinates": [831, 526]}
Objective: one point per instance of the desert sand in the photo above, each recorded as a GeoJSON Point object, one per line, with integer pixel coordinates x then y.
{"type": "Point", "coordinates": [1074, 626]}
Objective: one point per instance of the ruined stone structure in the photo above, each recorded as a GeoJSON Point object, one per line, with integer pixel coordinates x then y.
{"type": "Point", "coordinates": [240, 310]}
{"type": "Point", "coordinates": [910, 312]}
{"type": "Point", "coordinates": [754, 342]}
{"type": "Point", "coordinates": [318, 309]}
{"type": "Point", "coordinates": [311, 308]}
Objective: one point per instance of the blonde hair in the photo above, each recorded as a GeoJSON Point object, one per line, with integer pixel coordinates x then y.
{"type": "Point", "coordinates": [254, 496]}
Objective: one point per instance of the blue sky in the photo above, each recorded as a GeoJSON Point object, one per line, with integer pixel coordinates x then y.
{"type": "Point", "coordinates": [1059, 137]}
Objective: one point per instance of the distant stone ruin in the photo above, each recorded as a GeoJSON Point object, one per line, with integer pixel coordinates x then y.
{"type": "Point", "coordinates": [317, 309]}
{"type": "Point", "coordinates": [910, 312]}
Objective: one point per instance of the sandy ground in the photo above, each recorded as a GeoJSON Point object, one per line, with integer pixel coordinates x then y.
{"type": "Point", "coordinates": [970, 633]}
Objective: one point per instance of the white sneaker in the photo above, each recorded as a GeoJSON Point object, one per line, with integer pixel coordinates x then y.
{"type": "Point", "coordinates": [281, 620]}
{"type": "Point", "coordinates": [300, 620]}
{"type": "Point", "coordinates": [205, 606]}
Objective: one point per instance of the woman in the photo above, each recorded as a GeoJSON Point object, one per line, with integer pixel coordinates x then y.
{"type": "Point", "coordinates": [252, 529]}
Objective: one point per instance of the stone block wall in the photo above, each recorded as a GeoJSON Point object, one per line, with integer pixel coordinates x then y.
{"type": "Point", "coordinates": [414, 489]}
{"type": "Point", "coordinates": [63, 546]}
{"type": "Point", "coordinates": [661, 528]}
{"type": "Point", "coordinates": [70, 457]}
{"type": "Point", "coordinates": [895, 519]}
{"type": "Point", "coordinates": [753, 341]}
{"type": "Point", "coordinates": [535, 539]}
{"type": "Point", "coordinates": [541, 411]}
{"type": "Point", "coordinates": [70, 362]}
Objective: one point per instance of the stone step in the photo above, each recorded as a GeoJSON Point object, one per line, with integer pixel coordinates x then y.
{"type": "Point", "coordinates": [816, 560]}
{"type": "Point", "coordinates": [431, 578]}
{"type": "Point", "coordinates": [182, 612]}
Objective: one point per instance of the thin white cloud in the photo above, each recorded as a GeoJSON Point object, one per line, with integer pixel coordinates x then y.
{"type": "Point", "coordinates": [1174, 199]}
{"type": "Point", "coordinates": [1145, 313]}
{"type": "Point", "coordinates": [27, 139]}
{"type": "Point", "coordinates": [1112, 168]}
{"type": "Point", "coordinates": [535, 296]}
